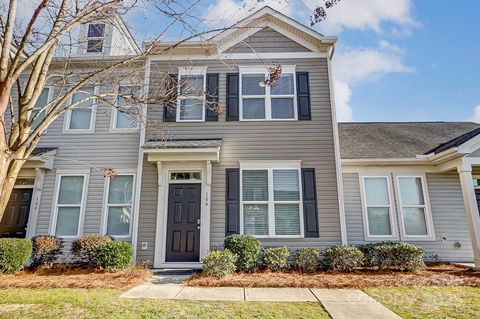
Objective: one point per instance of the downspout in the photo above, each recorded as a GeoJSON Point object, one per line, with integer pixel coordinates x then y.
{"type": "Point", "coordinates": [336, 143]}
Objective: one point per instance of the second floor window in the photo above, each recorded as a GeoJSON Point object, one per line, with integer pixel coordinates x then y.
{"type": "Point", "coordinates": [260, 102]}
{"type": "Point", "coordinates": [81, 117]}
{"type": "Point", "coordinates": [191, 94]}
{"type": "Point", "coordinates": [126, 113]}
{"type": "Point", "coordinates": [43, 100]}
{"type": "Point", "coordinates": [95, 36]}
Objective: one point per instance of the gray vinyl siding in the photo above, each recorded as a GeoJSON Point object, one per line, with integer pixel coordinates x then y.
{"type": "Point", "coordinates": [308, 141]}
{"type": "Point", "coordinates": [101, 149]}
{"type": "Point", "coordinates": [449, 217]}
{"type": "Point", "coordinates": [267, 40]}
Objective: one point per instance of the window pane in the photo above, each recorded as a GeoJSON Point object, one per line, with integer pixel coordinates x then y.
{"type": "Point", "coordinates": [414, 219]}
{"type": "Point", "coordinates": [191, 85]}
{"type": "Point", "coordinates": [251, 84]}
{"type": "Point", "coordinates": [376, 191]}
{"type": "Point", "coordinates": [379, 221]}
{"type": "Point", "coordinates": [255, 185]}
{"type": "Point", "coordinates": [67, 221]}
{"type": "Point", "coordinates": [282, 108]}
{"type": "Point", "coordinates": [86, 93]}
{"type": "Point", "coordinates": [80, 119]}
{"type": "Point", "coordinates": [284, 85]}
{"type": "Point", "coordinates": [96, 30]}
{"type": "Point", "coordinates": [127, 94]}
{"type": "Point", "coordinates": [126, 118]}
{"type": "Point", "coordinates": [286, 186]}
{"type": "Point", "coordinates": [254, 108]}
{"type": "Point", "coordinates": [411, 191]}
{"type": "Point", "coordinates": [41, 102]}
{"type": "Point", "coordinates": [191, 109]}
{"type": "Point", "coordinates": [287, 219]}
{"type": "Point", "coordinates": [255, 220]}
{"type": "Point", "coordinates": [120, 191]}
{"type": "Point", "coordinates": [95, 45]}
{"type": "Point", "coordinates": [71, 188]}
{"type": "Point", "coordinates": [119, 221]}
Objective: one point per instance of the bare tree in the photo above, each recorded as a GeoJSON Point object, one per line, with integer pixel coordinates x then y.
{"type": "Point", "coordinates": [38, 51]}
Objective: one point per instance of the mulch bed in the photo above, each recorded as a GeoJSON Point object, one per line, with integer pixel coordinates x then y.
{"type": "Point", "coordinates": [432, 275]}
{"type": "Point", "coordinates": [67, 277]}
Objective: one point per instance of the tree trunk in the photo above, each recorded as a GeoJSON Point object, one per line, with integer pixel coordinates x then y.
{"type": "Point", "coordinates": [9, 169]}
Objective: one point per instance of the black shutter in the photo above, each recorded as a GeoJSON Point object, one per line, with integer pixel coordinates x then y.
{"type": "Point", "coordinates": [310, 215]}
{"type": "Point", "coordinates": [170, 105]}
{"type": "Point", "coordinates": [212, 97]}
{"type": "Point", "coordinates": [303, 96]}
{"type": "Point", "coordinates": [232, 201]}
{"type": "Point", "coordinates": [232, 97]}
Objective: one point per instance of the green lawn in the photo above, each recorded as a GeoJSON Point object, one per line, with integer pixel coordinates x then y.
{"type": "Point", "coordinates": [430, 302]}
{"type": "Point", "coordinates": [104, 303]}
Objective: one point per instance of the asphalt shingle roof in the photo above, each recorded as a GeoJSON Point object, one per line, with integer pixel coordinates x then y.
{"type": "Point", "coordinates": [402, 140]}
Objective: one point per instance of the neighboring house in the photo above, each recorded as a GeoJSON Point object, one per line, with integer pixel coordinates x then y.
{"type": "Point", "coordinates": [274, 164]}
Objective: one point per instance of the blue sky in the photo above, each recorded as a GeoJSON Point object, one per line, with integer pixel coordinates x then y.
{"type": "Point", "coordinates": [396, 60]}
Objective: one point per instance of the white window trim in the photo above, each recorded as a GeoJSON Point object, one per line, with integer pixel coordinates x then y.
{"type": "Point", "coordinates": [366, 226]}
{"type": "Point", "coordinates": [186, 71]}
{"type": "Point", "coordinates": [106, 188]}
{"type": "Point", "coordinates": [81, 217]}
{"type": "Point", "coordinates": [286, 69]}
{"type": "Point", "coordinates": [427, 209]}
{"type": "Point", "coordinates": [49, 99]}
{"type": "Point", "coordinates": [68, 116]}
{"type": "Point", "coordinates": [114, 115]}
{"type": "Point", "coordinates": [270, 167]}
{"type": "Point", "coordinates": [96, 38]}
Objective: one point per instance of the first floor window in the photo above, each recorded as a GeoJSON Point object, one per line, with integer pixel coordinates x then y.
{"type": "Point", "coordinates": [81, 116]}
{"type": "Point", "coordinates": [69, 205]}
{"type": "Point", "coordinates": [119, 205]}
{"type": "Point", "coordinates": [378, 206]}
{"type": "Point", "coordinates": [412, 204]}
{"type": "Point", "coordinates": [411, 209]}
{"type": "Point", "coordinates": [271, 202]}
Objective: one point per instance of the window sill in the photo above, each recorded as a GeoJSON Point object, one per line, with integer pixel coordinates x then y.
{"type": "Point", "coordinates": [268, 120]}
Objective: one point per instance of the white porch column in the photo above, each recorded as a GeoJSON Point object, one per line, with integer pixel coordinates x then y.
{"type": "Point", "coordinates": [471, 208]}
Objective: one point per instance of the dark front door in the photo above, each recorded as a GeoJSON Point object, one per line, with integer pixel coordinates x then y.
{"type": "Point", "coordinates": [14, 221]}
{"type": "Point", "coordinates": [477, 194]}
{"type": "Point", "coordinates": [183, 223]}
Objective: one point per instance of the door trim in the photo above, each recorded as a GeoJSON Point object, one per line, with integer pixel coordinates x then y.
{"type": "Point", "coordinates": [164, 170]}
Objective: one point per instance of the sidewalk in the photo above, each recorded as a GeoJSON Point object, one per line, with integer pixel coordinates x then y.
{"type": "Point", "coordinates": [340, 303]}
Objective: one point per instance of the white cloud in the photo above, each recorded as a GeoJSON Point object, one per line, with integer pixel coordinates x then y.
{"type": "Point", "coordinates": [359, 65]}
{"type": "Point", "coordinates": [224, 12]}
{"type": "Point", "coordinates": [365, 15]}
{"type": "Point", "coordinates": [476, 115]}
{"type": "Point", "coordinates": [342, 101]}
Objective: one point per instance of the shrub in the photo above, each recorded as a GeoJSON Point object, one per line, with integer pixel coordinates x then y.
{"type": "Point", "coordinates": [247, 248]}
{"type": "Point", "coordinates": [344, 258]}
{"type": "Point", "coordinates": [14, 254]}
{"type": "Point", "coordinates": [84, 248]}
{"type": "Point", "coordinates": [114, 255]}
{"type": "Point", "coordinates": [307, 259]}
{"type": "Point", "coordinates": [219, 263]}
{"type": "Point", "coordinates": [45, 250]}
{"type": "Point", "coordinates": [367, 250]}
{"type": "Point", "coordinates": [276, 259]}
{"type": "Point", "coordinates": [399, 256]}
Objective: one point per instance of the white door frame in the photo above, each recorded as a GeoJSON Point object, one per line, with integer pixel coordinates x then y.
{"type": "Point", "coordinates": [164, 170]}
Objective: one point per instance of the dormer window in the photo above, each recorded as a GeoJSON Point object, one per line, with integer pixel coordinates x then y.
{"type": "Point", "coordinates": [95, 37]}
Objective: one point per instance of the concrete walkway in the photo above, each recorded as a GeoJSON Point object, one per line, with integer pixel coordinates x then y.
{"type": "Point", "coordinates": [340, 303]}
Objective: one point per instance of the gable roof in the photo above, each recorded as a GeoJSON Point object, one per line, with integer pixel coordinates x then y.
{"type": "Point", "coordinates": [402, 140]}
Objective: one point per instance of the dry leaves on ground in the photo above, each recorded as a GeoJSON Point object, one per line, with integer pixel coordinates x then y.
{"type": "Point", "coordinates": [75, 278]}
{"type": "Point", "coordinates": [435, 275]}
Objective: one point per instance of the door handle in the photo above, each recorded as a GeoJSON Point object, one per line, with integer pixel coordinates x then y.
{"type": "Point", "coordinates": [198, 221]}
